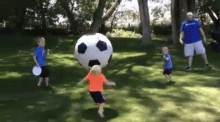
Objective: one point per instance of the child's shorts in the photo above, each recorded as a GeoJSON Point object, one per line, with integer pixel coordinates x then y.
{"type": "Point", "coordinates": [167, 71]}
{"type": "Point", "coordinates": [45, 72]}
{"type": "Point", "coordinates": [97, 96]}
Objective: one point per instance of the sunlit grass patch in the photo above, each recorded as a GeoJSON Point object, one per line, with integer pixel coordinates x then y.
{"type": "Point", "coordinates": [127, 54]}
{"type": "Point", "coordinates": [10, 74]}
{"type": "Point", "coordinates": [138, 95]}
{"type": "Point", "coordinates": [62, 59]}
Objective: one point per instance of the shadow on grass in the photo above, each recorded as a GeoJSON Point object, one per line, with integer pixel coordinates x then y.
{"type": "Point", "coordinates": [168, 116]}
{"type": "Point", "coordinates": [91, 114]}
{"type": "Point", "coordinates": [218, 120]}
{"type": "Point", "coordinates": [38, 106]}
{"type": "Point", "coordinates": [123, 69]}
{"type": "Point", "coordinates": [22, 102]}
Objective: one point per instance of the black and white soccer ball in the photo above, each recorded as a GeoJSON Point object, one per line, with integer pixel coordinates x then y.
{"type": "Point", "coordinates": [93, 49]}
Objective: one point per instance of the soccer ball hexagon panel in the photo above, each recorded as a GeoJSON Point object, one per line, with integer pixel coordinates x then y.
{"type": "Point", "coordinates": [93, 49]}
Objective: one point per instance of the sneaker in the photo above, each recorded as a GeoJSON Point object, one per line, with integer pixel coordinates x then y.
{"type": "Point", "coordinates": [100, 112]}
{"type": "Point", "coordinates": [208, 67]}
{"type": "Point", "coordinates": [189, 68]}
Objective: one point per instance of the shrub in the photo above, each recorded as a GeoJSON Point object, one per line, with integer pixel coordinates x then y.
{"type": "Point", "coordinates": [162, 29]}
{"type": "Point", "coordinates": [138, 29]}
{"type": "Point", "coordinates": [157, 29]}
{"type": "Point", "coordinates": [123, 33]}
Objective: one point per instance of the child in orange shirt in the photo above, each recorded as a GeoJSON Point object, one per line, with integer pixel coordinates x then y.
{"type": "Point", "coordinates": [96, 80]}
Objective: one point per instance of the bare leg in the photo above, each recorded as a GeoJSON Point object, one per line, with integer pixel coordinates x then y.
{"type": "Point", "coordinates": [47, 81]}
{"type": "Point", "coordinates": [101, 110]}
{"type": "Point", "coordinates": [190, 59]}
{"type": "Point", "coordinates": [168, 78]}
{"type": "Point", "coordinates": [204, 57]}
{"type": "Point", "coordinates": [40, 81]}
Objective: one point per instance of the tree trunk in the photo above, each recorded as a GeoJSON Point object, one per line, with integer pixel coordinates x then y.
{"type": "Point", "coordinates": [98, 18]}
{"type": "Point", "coordinates": [70, 16]}
{"type": "Point", "coordinates": [145, 21]}
{"type": "Point", "coordinates": [20, 14]}
{"type": "Point", "coordinates": [113, 19]}
{"type": "Point", "coordinates": [214, 19]}
{"type": "Point", "coordinates": [102, 29]}
{"type": "Point", "coordinates": [174, 16]}
{"type": "Point", "coordinates": [42, 12]}
{"type": "Point", "coordinates": [111, 10]}
{"type": "Point", "coordinates": [191, 5]}
{"type": "Point", "coordinates": [178, 11]}
{"type": "Point", "coordinates": [183, 11]}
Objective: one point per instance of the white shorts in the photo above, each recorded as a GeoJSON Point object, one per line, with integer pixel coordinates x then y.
{"type": "Point", "coordinates": [197, 48]}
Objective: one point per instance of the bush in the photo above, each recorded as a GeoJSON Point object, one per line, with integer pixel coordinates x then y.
{"type": "Point", "coordinates": [35, 32]}
{"type": "Point", "coordinates": [4, 31]}
{"type": "Point", "coordinates": [138, 29]}
{"type": "Point", "coordinates": [157, 29]}
{"type": "Point", "coordinates": [124, 33]}
{"type": "Point", "coordinates": [162, 29]}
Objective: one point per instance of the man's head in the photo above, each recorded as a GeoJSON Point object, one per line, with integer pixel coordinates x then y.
{"type": "Point", "coordinates": [189, 16]}
{"type": "Point", "coordinates": [41, 41]}
{"type": "Point", "coordinates": [164, 50]}
{"type": "Point", "coordinates": [96, 70]}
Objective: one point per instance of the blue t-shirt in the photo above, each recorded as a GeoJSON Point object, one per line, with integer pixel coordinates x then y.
{"type": "Point", "coordinates": [168, 63]}
{"type": "Point", "coordinates": [191, 31]}
{"type": "Point", "coordinates": [39, 52]}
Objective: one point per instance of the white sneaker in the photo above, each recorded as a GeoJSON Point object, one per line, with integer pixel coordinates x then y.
{"type": "Point", "coordinates": [100, 112]}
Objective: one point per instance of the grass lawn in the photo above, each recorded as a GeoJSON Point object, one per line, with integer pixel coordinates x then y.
{"type": "Point", "coordinates": [139, 96]}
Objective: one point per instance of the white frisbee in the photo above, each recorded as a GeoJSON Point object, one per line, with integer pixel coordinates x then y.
{"type": "Point", "coordinates": [36, 70]}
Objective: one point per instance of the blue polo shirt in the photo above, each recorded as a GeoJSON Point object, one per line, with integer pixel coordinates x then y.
{"type": "Point", "coordinates": [191, 31]}
{"type": "Point", "coordinates": [168, 63]}
{"type": "Point", "coordinates": [39, 52]}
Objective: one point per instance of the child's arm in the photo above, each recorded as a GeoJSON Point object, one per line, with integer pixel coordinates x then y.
{"type": "Point", "coordinates": [82, 81]}
{"type": "Point", "coordinates": [109, 83]}
{"type": "Point", "coordinates": [35, 60]}
{"type": "Point", "coordinates": [166, 58]}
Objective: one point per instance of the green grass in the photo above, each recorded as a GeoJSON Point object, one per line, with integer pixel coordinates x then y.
{"type": "Point", "coordinates": [139, 96]}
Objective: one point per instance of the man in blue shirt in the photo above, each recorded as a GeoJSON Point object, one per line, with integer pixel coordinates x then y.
{"type": "Point", "coordinates": [191, 30]}
{"type": "Point", "coordinates": [168, 65]}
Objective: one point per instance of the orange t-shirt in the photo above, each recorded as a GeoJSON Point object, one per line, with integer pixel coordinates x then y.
{"type": "Point", "coordinates": [96, 82]}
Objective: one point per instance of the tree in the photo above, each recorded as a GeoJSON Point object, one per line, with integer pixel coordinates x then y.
{"type": "Point", "coordinates": [145, 21]}
{"type": "Point", "coordinates": [20, 15]}
{"type": "Point", "coordinates": [14, 11]}
{"type": "Point", "coordinates": [179, 8]}
{"type": "Point", "coordinates": [214, 8]}
{"type": "Point", "coordinates": [98, 18]}
{"type": "Point", "coordinates": [191, 5]}
{"type": "Point", "coordinates": [79, 12]}
{"type": "Point", "coordinates": [174, 16]}
{"type": "Point", "coordinates": [69, 13]}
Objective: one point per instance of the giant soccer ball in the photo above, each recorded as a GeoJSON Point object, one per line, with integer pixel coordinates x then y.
{"type": "Point", "coordinates": [93, 49]}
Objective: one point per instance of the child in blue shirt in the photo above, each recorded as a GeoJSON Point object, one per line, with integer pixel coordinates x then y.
{"type": "Point", "coordinates": [168, 66]}
{"type": "Point", "coordinates": [39, 56]}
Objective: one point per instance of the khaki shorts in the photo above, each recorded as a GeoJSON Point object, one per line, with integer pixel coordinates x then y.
{"type": "Point", "coordinates": [197, 47]}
